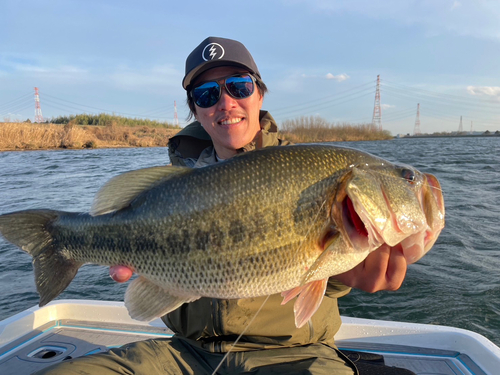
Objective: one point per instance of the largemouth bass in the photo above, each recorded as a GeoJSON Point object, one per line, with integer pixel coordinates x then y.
{"type": "Point", "coordinates": [277, 220]}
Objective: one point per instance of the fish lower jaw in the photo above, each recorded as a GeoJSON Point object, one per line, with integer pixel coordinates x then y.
{"type": "Point", "coordinates": [364, 243]}
{"type": "Point", "coordinates": [413, 247]}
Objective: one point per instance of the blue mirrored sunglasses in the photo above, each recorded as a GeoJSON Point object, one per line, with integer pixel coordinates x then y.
{"type": "Point", "coordinates": [208, 94]}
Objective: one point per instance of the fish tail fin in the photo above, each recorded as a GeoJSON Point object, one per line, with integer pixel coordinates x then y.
{"type": "Point", "coordinates": [31, 231]}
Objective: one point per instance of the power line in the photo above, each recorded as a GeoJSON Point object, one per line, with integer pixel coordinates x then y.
{"type": "Point", "coordinates": [324, 102]}
{"type": "Point", "coordinates": [20, 106]}
{"type": "Point", "coordinates": [14, 102]}
{"type": "Point", "coordinates": [466, 99]}
{"type": "Point", "coordinates": [76, 106]}
{"type": "Point", "coordinates": [444, 99]}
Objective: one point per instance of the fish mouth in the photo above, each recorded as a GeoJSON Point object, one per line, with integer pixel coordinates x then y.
{"type": "Point", "coordinates": [357, 230]}
{"type": "Point", "coordinates": [367, 228]}
{"type": "Point", "coordinates": [352, 219]}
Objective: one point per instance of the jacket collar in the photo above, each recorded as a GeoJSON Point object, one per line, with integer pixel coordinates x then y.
{"type": "Point", "coordinates": [195, 139]}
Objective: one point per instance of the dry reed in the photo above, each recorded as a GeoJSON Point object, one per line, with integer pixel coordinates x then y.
{"type": "Point", "coordinates": [26, 136]}
{"type": "Point", "coordinates": [317, 129]}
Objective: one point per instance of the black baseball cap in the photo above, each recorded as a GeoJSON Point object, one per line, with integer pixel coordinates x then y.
{"type": "Point", "coordinates": [214, 52]}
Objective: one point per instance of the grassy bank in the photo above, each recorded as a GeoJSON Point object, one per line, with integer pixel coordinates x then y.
{"type": "Point", "coordinates": [121, 133]}
{"type": "Point", "coordinates": [316, 129]}
{"type": "Point", "coordinates": [26, 136]}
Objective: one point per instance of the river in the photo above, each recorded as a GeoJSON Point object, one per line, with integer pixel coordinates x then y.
{"type": "Point", "coordinates": [456, 284]}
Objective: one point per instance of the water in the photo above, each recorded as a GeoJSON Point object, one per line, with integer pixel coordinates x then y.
{"type": "Point", "coordinates": [456, 284]}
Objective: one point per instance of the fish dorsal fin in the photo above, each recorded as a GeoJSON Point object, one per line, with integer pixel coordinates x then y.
{"type": "Point", "coordinates": [118, 192]}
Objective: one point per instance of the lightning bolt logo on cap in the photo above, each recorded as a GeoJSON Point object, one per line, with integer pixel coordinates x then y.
{"type": "Point", "coordinates": [212, 51]}
{"type": "Point", "coordinates": [210, 54]}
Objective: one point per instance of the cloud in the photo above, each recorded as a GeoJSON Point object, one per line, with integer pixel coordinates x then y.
{"type": "Point", "coordinates": [338, 78]}
{"type": "Point", "coordinates": [478, 18]}
{"type": "Point", "coordinates": [30, 68]}
{"type": "Point", "coordinates": [36, 68]}
{"type": "Point", "coordinates": [456, 4]}
{"type": "Point", "coordinates": [387, 106]}
{"type": "Point", "coordinates": [484, 91]}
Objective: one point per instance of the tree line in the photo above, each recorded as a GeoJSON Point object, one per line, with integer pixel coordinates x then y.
{"type": "Point", "coordinates": [104, 119]}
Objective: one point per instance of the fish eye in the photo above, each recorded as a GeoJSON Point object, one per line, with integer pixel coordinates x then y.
{"type": "Point", "coordinates": [408, 175]}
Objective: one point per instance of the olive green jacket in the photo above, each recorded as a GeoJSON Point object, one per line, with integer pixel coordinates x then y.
{"type": "Point", "coordinates": [215, 324]}
{"type": "Point", "coordinates": [192, 146]}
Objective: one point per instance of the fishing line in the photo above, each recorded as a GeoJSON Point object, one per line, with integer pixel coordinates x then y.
{"type": "Point", "coordinates": [239, 337]}
{"type": "Point", "coordinates": [263, 303]}
{"type": "Point", "coordinates": [435, 188]}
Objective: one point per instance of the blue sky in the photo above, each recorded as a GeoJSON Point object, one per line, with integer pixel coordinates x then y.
{"type": "Point", "coordinates": [317, 57]}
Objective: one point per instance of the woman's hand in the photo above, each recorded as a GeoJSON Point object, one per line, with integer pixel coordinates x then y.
{"type": "Point", "coordinates": [383, 269]}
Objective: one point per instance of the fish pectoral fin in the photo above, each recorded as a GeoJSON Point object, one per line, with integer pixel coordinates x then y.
{"type": "Point", "coordinates": [310, 293]}
{"type": "Point", "coordinates": [118, 192]}
{"type": "Point", "coordinates": [308, 300]}
{"type": "Point", "coordinates": [324, 258]}
{"type": "Point", "coordinates": [290, 294]}
{"type": "Point", "coordinates": [146, 301]}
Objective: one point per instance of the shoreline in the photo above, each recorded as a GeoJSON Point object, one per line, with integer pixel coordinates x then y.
{"type": "Point", "coordinates": [72, 148]}
{"type": "Point", "coordinates": [451, 136]}
{"type": "Point", "coordinates": [40, 137]}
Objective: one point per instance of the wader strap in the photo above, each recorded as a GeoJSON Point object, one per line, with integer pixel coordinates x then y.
{"type": "Point", "coordinates": [348, 362]}
{"type": "Point", "coordinates": [371, 364]}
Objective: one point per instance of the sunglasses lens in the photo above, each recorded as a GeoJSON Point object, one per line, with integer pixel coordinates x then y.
{"type": "Point", "coordinates": [240, 87]}
{"type": "Point", "coordinates": [206, 95]}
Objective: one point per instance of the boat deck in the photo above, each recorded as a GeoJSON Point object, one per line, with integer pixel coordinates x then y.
{"type": "Point", "coordinates": [420, 360]}
{"type": "Point", "coordinates": [65, 339]}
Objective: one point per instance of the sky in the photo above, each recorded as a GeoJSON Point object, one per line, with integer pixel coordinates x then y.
{"type": "Point", "coordinates": [317, 57]}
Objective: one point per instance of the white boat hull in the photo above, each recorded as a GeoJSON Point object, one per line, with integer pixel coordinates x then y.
{"type": "Point", "coordinates": [38, 337]}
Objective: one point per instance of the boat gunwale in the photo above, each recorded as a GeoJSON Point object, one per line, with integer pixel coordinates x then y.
{"type": "Point", "coordinates": [470, 348]}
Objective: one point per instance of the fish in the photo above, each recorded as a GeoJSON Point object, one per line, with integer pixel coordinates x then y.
{"type": "Point", "coordinates": [276, 220]}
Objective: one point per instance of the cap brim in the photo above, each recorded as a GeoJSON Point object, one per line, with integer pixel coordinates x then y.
{"type": "Point", "coordinates": [186, 82]}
